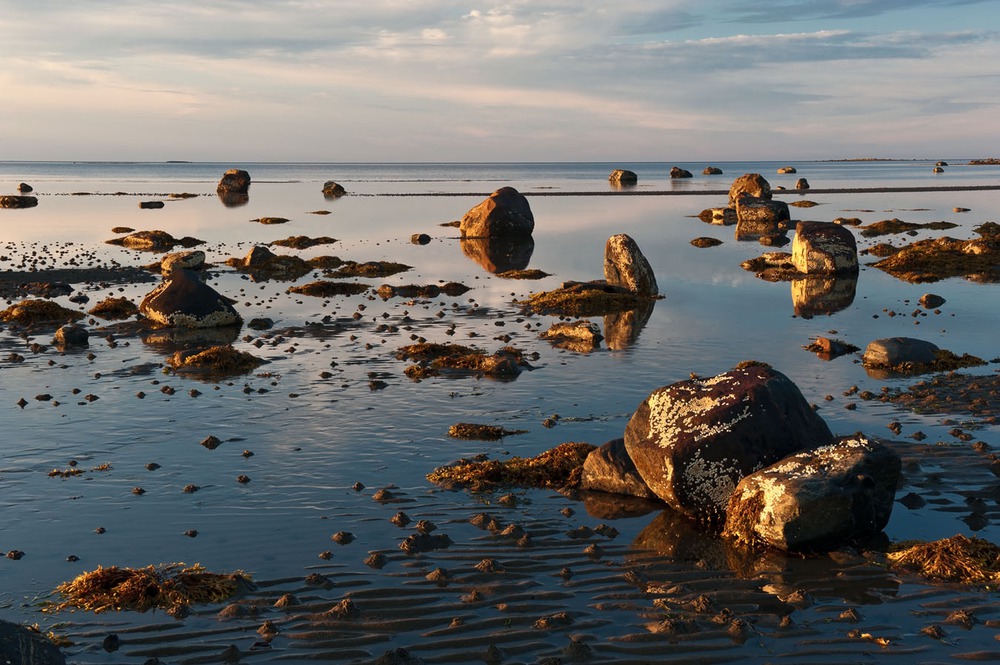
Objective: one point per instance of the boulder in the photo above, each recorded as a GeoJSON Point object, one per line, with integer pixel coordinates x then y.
{"type": "Point", "coordinates": [14, 201]}
{"type": "Point", "coordinates": [824, 248]}
{"type": "Point", "coordinates": [817, 500]}
{"type": "Point", "coordinates": [185, 301]}
{"type": "Point", "coordinates": [693, 441]}
{"type": "Point", "coordinates": [19, 644]}
{"type": "Point", "coordinates": [749, 184]}
{"type": "Point", "coordinates": [718, 216]}
{"type": "Point", "coordinates": [192, 260]}
{"type": "Point", "coordinates": [712, 170]}
{"type": "Point", "coordinates": [151, 205]}
{"type": "Point", "coordinates": [801, 183]}
{"type": "Point", "coordinates": [787, 169]}
{"type": "Point", "coordinates": [756, 217]}
{"type": "Point", "coordinates": [610, 469]}
{"type": "Point", "coordinates": [678, 172]}
{"type": "Point", "coordinates": [931, 301]}
{"type": "Point", "coordinates": [234, 181]}
{"type": "Point", "coordinates": [71, 334]}
{"type": "Point", "coordinates": [332, 190]}
{"type": "Point", "coordinates": [504, 213]}
{"type": "Point", "coordinates": [623, 177]}
{"type": "Point", "coordinates": [582, 336]}
{"type": "Point", "coordinates": [625, 266]}
{"type": "Point", "coordinates": [896, 351]}
{"type": "Point", "coordinates": [25, 188]}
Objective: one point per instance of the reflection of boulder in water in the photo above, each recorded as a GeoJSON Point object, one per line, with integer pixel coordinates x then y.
{"type": "Point", "coordinates": [674, 536]}
{"type": "Point", "coordinates": [622, 329]}
{"type": "Point", "coordinates": [169, 340]}
{"type": "Point", "coordinates": [499, 254]}
{"type": "Point", "coordinates": [608, 506]}
{"type": "Point", "coordinates": [234, 199]}
{"type": "Point", "coordinates": [823, 295]}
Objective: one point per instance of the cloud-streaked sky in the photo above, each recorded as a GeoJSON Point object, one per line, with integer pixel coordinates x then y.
{"type": "Point", "coordinates": [524, 80]}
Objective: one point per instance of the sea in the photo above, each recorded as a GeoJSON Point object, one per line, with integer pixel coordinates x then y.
{"type": "Point", "coordinates": [307, 441]}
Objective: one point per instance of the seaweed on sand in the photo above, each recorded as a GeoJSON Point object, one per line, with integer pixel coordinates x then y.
{"type": "Point", "coordinates": [223, 359]}
{"type": "Point", "coordinates": [431, 358]}
{"type": "Point", "coordinates": [166, 586]}
{"type": "Point", "coordinates": [38, 311]}
{"type": "Point", "coordinates": [584, 299]}
{"type": "Point", "coordinates": [955, 559]}
{"type": "Point", "coordinates": [559, 467]}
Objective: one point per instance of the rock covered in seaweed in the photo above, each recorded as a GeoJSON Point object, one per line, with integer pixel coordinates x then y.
{"type": "Point", "coordinates": [694, 440]}
{"type": "Point", "coordinates": [184, 300]}
{"type": "Point", "coordinates": [505, 212]}
{"type": "Point", "coordinates": [818, 499]}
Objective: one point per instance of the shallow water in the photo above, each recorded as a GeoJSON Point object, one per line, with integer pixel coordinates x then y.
{"type": "Point", "coordinates": [313, 438]}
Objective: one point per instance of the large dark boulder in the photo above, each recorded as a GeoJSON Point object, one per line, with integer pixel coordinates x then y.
{"type": "Point", "coordinates": [749, 184]}
{"type": "Point", "coordinates": [234, 181]}
{"type": "Point", "coordinates": [184, 300]}
{"type": "Point", "coordinates": [503, 213]}
{"type": "Point", "coordinates": [27, 647]}
{"type": "Point", "coordinates": [625, 266]}
{"type": "Point", "coordinates": [71, 334]}
{"type": "Point", "coordinates": [824, 248]}
{"type": "Point", "coordinates": [817, 500]}
{"type": "Point", "coordinates": [18, 201]}
{"type": "Point", "coordinates": [694, 440]}
{"type": "Point", "coordinates": [610, 469]}
{"type": "Point", "coordinates": [333, 190]}
{"type": "Point", "coordinates": [678, 172]}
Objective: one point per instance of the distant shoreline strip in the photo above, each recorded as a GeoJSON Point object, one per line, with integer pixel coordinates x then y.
{"type": "Point", "coordinates": [723, 192]}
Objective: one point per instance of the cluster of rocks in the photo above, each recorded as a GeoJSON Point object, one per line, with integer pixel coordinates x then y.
{"type": "Point", "coordinates": [744, 451]}
{"type": "Point", "coordinates": [624, 177]}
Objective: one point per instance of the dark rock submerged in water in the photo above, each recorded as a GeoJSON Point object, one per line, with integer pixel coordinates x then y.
{"type": "Point", "coordinates": [184, 300]}
{"type": "Point", "coordinates": [693, 441]}
{"type": "Point", "coordinates": [234, 181]}
{"type": "Point", "coordinates": [625, 266]}
{"type": "Point", "coordinates": [817, 500]}
{"type": "Point", "coordinates": [15, 201]}
{"type": "Point", "coordinates": [504, 213]}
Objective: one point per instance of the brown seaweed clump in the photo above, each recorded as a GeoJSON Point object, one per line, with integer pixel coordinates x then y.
{"type": "Point", "coordinates": [369, 269]}
{"type": "Point", "coordinates": [953, 392]}
{"type": "Point", "coordinates": [271, 220]}
{"type": "Point", "coordinates": [433, 358]}
{"type": "Point", "coordinates": [944, 361]}
{"type": "Point", "coordinates": [304, 242]}
{"type": "Point", "coordinates": [935, 259]}
{"type": "Point", "coordinates": [472, 431]}
{"type": "Point", "coordinates": [153, 587]}
{"type": "Point", "coordinates": [114, 309]}
{"type": "Point", "coordinates": [324, 289]}
{"type": "Point", "coordinates": [583, 299]}
{"type": "Point", "coordinates": [452, 289]}
{"type": "Point", "coordinates": [154, 241]}
{"type": "Point", "coordinates": [28, 312]}
{"type": "Point", "coordinates": [532, 273]}
{"type": "Point", "coordinates": [955, 559]}
{"type": "Point", "coordinates": [222, 359]}
{"type": "Point", "coordinates": [887, 226]}
{"type": "Point", "coordinates": [704, 242]}
{"type": "Point", "coordinates": [557, 468]}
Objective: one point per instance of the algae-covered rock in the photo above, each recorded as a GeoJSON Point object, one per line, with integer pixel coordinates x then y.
{"type": "Point", "coordinates": [434, 359]}
{"type": "Point", "coordinates": [957, 559]}
{"type": "Point", "coordinates": [931, 260]}
{"type": "Point", "coordinates": [556, 468]}
{"type": "Point", "coordinates": [217, 360]}
{"type": "Point", "coordinates": [584, 299]}
{"type": "Point", "coordinates": [112, 308]}
{"type": "Point", "coordinates": [476, 432]}
{"type": "Point", "coordinates": [184, 300]}
{"type": "Point", "coordinates": [327, 289]}
{"type": "Point", "coordinates": [28, 312]}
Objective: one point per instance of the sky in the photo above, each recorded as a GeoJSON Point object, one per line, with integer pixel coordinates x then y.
{"type": "Point", "coordinates": [483, 81]}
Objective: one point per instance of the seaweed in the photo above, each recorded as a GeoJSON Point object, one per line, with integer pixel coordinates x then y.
{"type": "Point", "coordinates": [559, 467]}
{"type": "Point", "coordinates": [222, 359]}
{"type": "Point", "coordinates": [369, 269]}
{"type": "Point", "coordinates": [583, 299]}
{"type": "Point", "coordinates": [304, 242]}
{"type": "Point", "coordinates": [323, 289]}
{"type": "Point", "coordinates": [39, 311]}
{"type": "Point", "coordinates": [165, 586]}
{"type": "Point", "coordinates": [472, 431]}
{"type": "Point", "coordinates": [112, 308]}
{"type": "Point", "coordinates": [432, 357]}
{"type": "Point", "coordinates": [956, 559]}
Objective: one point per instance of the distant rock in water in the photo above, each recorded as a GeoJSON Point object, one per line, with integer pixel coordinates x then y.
{"type": "Point", "coordinates": [25, 188]}
{"type": "Point", "coordinates": [623, 177]}
{"type": "Point", "coordinates": [235, 181]}
{"type": "Point", "coordinates": [333, 190]}
{"type": "Point", "coordinates": [678, 172]}
{"type": "Point", "coordinates": [787, 169]}
{"type": "Point", "coordinates": [504, 213]}
{"type": "Point", "coordinates": [712, 170]}
{"type": "Point", "coordinates": [801, 183]}
{"type": "Point", "coordinates": [14, 201]}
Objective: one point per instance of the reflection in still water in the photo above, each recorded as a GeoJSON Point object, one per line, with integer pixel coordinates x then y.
{"type": "Point", "coordinates": [234, 199]}
{"type": "Point", "coordinates": [823, 295]}
{"type": "Point", "coordinates": [621, 329]}
{"type": "Point", "coordinates": [499, 254]}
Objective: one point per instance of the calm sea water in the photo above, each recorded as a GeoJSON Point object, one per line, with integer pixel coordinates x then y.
{"type": "Point", "coordinates": [311, 417]}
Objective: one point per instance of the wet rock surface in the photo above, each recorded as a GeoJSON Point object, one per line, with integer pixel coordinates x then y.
{"type": "Point", "coordinates": [183, 300]}
{"type": "Point", "coordinates": [625, 266]}
{"type": "Point", "coordinates": [693, 441]}
{"type": "Point", "coordinates": [504, 213]}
